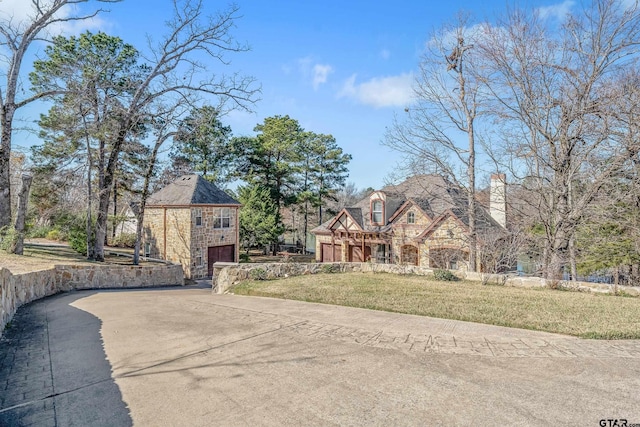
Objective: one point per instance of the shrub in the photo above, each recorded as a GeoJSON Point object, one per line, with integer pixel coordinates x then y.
{"type": "Point", "coordinates": [66, 222]}
{"type": "Point", "coordinates": [54, 234]}
{"type": "Point", "coordinates": [124, 240]}
{"type": "Point", "coordinates": [245, 257]}
{"type": "Point", "coordinates": [78, 240]}
{"type": "Point", "coordinates": [444, 275]}
{"type": "Point", "coordinates": [8, 238]}
{"type": "Point", "coordinates": [258, 274]}
{"type": "Point", "coordinates": [39, 232]}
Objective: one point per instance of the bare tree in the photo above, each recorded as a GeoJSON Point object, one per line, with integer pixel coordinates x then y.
{"type": "Point", "coordinates": [499, 253]}
{"type": "Point", "coordinates": [448, 101]}
{"type": "Point", "coordinates": [175, 72]}
{"type": "Point", "coordinates": [165, 125]}
{"type": "Point", "coordinates": [564, 107]}
{"type": "Point", "coordinates": [16, 37]}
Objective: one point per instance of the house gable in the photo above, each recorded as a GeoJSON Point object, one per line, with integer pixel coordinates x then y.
{"type": "Point", "coordinates": [345, 220]}
{"type": "Point", "coordinates": [446, 229]}
{"type": "Point", "coordinates": [410, 213]}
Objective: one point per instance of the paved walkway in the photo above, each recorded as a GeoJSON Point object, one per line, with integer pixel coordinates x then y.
{"type": "Point", "coordinates": [187, 357]}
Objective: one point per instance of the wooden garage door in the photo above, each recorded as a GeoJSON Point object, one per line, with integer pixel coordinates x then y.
{"type": "Point", "coordinates": [355, 253]}
{"type": "Point", "coordinates": [328, 255]}
{"type": "Point", "coordinates": [224, 253]}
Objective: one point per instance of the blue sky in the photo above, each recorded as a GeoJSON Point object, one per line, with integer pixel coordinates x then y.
{"type": "Point", "coordinates": [338, 67]}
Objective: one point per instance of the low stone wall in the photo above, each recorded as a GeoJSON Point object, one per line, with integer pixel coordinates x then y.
{"type": "Point", "coordinates": [538, 282]}
{"type": "Point", "coordinates": [227, 275]}
{"type": "Point", "coordinates": [19, 289]}
{"type": "Point", "coordinates": [70, 277]}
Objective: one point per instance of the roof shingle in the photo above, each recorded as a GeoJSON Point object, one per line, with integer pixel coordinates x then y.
{"type": "Point", "coordinates": [190, 190]}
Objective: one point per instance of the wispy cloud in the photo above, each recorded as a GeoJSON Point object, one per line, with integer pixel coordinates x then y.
{"type": "Point", "coordinates": [320, 74]}
{"type": "Point", "coordinates": [379, 92]}
{"type": "Point", "coordinates": [385, 54]}
{"type": "Point", "coordinates": [21, 12]}
{"type": "Point", "coordinates": [556, 11]}
{"type": "Point", "coordinates": [314, 72]}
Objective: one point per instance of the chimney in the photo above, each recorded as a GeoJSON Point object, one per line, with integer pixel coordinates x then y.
{"type": "Point", "coordinates": [498, 198]}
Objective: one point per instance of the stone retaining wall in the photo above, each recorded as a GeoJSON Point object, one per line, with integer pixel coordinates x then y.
{"type": "Point", "coordinates": [19, 289]}
{"type": "Point", "coordinates": [227, 275]}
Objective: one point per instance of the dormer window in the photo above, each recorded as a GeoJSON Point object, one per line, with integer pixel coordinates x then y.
{"type": "Point", "coordinates": [376, 212]}
{"type": "Point", "coordinates": [411, 218]}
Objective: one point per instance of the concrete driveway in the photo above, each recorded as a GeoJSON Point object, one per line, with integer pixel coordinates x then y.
{"type": "Point", "coordinates": [182, 356]}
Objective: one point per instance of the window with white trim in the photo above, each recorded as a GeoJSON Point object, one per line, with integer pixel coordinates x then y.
{"type": "Point", "coordinates": [198, 215]}
{"type": "Point", "coordinates": [376, 212]}
{"type": "Point", "coordinates": [411, 218]}
{"type": "Point", "coordinates": [222, 218]}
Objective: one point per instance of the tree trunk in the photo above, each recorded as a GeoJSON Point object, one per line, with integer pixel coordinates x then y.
{"type": "Point", "coordinates": [572, 260]}
{"type": "Point", "coordinates": [139, 228]}
{"type": "Point", "coordinates": [23, 199]}
{"type": "Point", "coordinates": [115, 209]}
{"type": "Point", "coordinates": [471, 197]}
{"type": "Point", "coordinates": [6, 120]}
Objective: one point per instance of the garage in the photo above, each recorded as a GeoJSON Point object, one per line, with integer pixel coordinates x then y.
{"type": "Point", "coordinates": [355, 254]}
{"type": "Point", "coordinates": [215, 254]}
{"type": "Point", "coordinates": [329, 255]}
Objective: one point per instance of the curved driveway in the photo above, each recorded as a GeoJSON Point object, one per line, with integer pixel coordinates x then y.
{"type": "Point", "coordinates": [183, 356]}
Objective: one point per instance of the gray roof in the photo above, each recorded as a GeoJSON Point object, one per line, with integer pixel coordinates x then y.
{"type": "Point", "coordinates": [432, 193]}
{"type": "Point", "coordinates": [190, 190]}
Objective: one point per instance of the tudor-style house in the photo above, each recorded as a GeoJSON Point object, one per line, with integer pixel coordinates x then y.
{"type": "Point", "coordinates": [193, 222]}
{"type": "Point", "coordinates": [421, 221]}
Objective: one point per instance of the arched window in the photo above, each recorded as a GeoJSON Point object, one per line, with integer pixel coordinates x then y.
{"type": "Point", "coordinates": [376, 212]}
{"type": "Point", "coordinates": [411, 218]}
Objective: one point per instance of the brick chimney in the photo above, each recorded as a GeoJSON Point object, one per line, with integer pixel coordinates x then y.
{"type": "Point", "coordinates": [498, 198]}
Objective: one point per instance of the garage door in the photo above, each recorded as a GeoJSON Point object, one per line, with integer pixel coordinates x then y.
{"type": "Point", "coordinates": [224, 253]}
{"type": "Point", "coordinates": [355, 253]}
{"type": "Point", "coordinates": [331, 256]}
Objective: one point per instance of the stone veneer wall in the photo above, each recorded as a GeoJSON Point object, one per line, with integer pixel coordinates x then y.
{"type": "Point", "coordinates": [205, 236]}
{"type": "Point", "coordinates": [226, 275]}
{"type": "Point", "coordinates": [19, 289]}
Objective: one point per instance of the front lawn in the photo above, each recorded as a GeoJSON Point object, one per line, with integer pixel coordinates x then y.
{"type": "Point", "coordinates": [574, 313]}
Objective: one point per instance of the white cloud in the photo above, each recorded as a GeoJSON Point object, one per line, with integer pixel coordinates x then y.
{"type": "Point", "coordinates": [558, 11]}
{"type": "Point", "coordinates": [392, 91]}
{"type": "Point", "coordinates": [313, 71]}
{"type": "Point", "coordinates": [20, 12]}
{"type": "Point", "coordinates": [320, 74]}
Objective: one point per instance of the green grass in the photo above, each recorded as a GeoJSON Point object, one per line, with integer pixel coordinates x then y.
{"type": "Point", "coordinates": [573, 313]}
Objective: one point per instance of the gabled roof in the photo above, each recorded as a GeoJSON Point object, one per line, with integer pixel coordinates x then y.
{"type": "Point", "coordinates": [190, 190]}
{"type": "Point", "coordinates": [421, 204]}
{"type": "Point", "coordinates": [437, 222]}
{"type": "Point", "coordinates": [433, 194]}
{"type": "Point", "coordinates": [354, 213]}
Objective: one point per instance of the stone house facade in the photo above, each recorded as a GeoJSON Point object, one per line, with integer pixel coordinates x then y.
{"type": "Point", "coordinates": [422, 221]}
{"type": "Point", "coordinates": [193, 222]}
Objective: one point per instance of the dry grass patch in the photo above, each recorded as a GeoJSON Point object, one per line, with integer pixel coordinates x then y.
{"type": "Point", "coordinates": [574, 313]}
